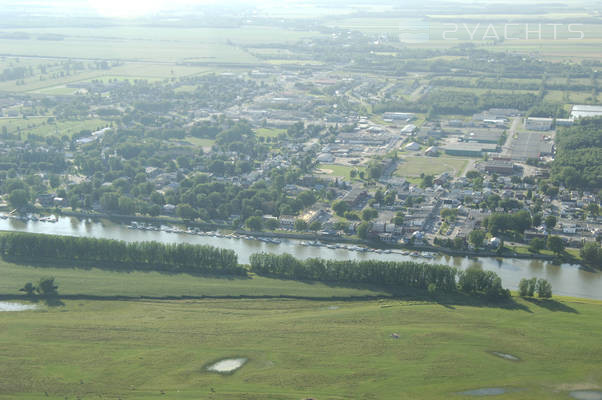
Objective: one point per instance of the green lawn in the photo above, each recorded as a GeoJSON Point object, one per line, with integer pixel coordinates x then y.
{"type": "Point", "coordinates": [414, 166]}
{"type": "Point", "coordinates": [298, 349]}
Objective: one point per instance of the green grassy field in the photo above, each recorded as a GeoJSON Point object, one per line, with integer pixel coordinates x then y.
{"type": "Point", "coordinates": [40, 126]}
{"type": "Point", "coordinates": [338, 170]}
{"type": "Point", "coordinates": [414, 166]}
{"type": "Point", "coordinates": [200, 142]}
{"type": "Point", "coordinates": [97, 282]}
{"type": "Point", "coordinates": [299, 349]}
{"type": "Point", "coordinates": [269, 132]}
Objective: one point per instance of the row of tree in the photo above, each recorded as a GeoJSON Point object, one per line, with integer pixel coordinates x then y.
{"type": "Point", "coordinates": [528, 288]}
{"type": "Point", "coordinates": [181, 257]}
{"type": "Point", "coordinates": [431, 277]}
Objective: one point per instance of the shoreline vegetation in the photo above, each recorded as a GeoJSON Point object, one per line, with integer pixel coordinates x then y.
{"type": "Point", "coordinates": [506, 253]}
{"type": "Point", "coordinates": [433, 280]}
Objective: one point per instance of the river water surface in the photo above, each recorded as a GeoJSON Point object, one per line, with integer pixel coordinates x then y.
{"type": "Point", "coordinates": [566, 279]}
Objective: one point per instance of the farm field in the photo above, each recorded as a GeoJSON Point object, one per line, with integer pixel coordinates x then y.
{"type": "Point", "coordinates": [41, 126]}
{"type": "Point", "coordinates": [131, 71]}
{"type": "Point", "coordinates": [300, 349]}
{"type": "Point", "coordinates": [413, 166]}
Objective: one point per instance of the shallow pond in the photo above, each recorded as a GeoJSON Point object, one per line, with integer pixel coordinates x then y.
{"type": "Point", "coordinates": [8, 306]}
{"type": "Point", "coordinates": [586, 394]}
{"type": "Point", "coordinates": [505, 356]}
{"type": "Point", "coordinates": [485, 392]}
{"type": "Point", "coordinates": [227, 365]}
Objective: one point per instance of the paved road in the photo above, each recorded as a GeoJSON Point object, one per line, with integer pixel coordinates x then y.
{"type": "Point", "coordinates": [507, 147]}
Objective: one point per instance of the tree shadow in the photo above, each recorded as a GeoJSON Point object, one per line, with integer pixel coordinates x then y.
{"type": "Point", "coordinates": [53, 302]}
{"type": "Point", "coordinates": [552, 305]}
{"type": "Point", "coordinates": [446, 299]}
{"type": "Point", "coordinates": [85, 265]}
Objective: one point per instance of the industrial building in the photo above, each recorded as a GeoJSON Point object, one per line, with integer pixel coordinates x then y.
{"type": "Point", "coordinates": [585, 111]}
{"type": "Point", "coordinates": [468, 149]}
{"type": "Point", "coordinates": [501, 167]}
{"type": "Point", "coordinates": [400, 116]}
{"type": "Point", "coordinates": [483, 136]}
{"type": "Point", "coordinates": [539, 124]}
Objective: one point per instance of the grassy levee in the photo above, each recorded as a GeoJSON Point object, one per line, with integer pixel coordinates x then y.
{"type": "Point", "coordinates": [86, 280]}
{"type": "Point", "coordinates": [297, 349]}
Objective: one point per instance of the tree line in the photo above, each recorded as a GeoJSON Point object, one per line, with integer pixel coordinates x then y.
{"type": "Point", "coordinates": [578, 162]}
{"type": "Point", "coordinates": [181, 257]}
{"type": "Point", "coordinates": [431, 277]}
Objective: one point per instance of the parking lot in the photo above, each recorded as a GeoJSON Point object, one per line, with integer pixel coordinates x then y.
{"type": "Point", "coordinates": [531, 144]}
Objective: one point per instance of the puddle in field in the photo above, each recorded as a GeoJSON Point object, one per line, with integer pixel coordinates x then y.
{"type": "Point", "coordinates": [485, 392]}
{"type": "Point", "coordinates": [7, 306]}
{"type": "Point", "coordinates": [505, 356]}
{"type": "Point", "coordinates": [586, 394]}
{"type": "Point", "coordinates": [332, 307]}
{"type": "Point", "coordinates": [227, 365]}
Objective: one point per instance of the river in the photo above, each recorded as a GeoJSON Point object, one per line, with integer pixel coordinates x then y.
{"type": "Point", "coordinates": [566, 279]}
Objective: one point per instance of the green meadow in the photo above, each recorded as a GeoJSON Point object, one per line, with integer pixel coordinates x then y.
{"type": "Point", "coordinates": [408, 345]}
{"type": "Point", "coordinates": [299, 349]}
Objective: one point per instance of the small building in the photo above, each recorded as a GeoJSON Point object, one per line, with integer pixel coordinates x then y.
{"type": "Point", "coordinates": [169, 209]}
{"type": "Point", "coordinates": [412, 146]}
{"type": "Point", "coordinates": [287, 221]}
{"type": "Point", "coordinates": [409, 129]}
{"type": "Point", "coordinates": [431, 151]}
{"type": "Point", "coordinates": [355, 196]}
{"type": "Point", "coordinates": [325, 158]}
{"type": "Point", "coordinates": [494, 242]}
{"type": "Point", "coordinates": [46, 199]}
{"type": "Point", "coordinates": [386, 237]}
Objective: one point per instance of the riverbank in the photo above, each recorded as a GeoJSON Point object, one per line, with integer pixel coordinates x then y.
{"type": "Point", "coordinates": [207, 227]}
{"type": "Point", "coordinates": [566, 279]}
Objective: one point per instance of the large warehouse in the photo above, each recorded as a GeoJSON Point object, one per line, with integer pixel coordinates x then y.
{"type": "Point", "coordinates": [469, 149]}
{"type": "Point", "coordinates": [483, 136]}
{"type": "Point", "coordinates": [583, 111]}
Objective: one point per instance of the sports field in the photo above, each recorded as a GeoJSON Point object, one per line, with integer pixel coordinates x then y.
{"type": "Point", "coordinates": [414, 166]}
